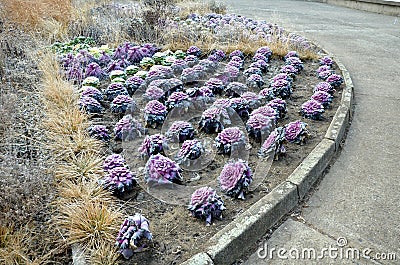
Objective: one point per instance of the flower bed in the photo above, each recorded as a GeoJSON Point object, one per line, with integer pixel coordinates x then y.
{"type": "Point", "coordinates": [250, 102]}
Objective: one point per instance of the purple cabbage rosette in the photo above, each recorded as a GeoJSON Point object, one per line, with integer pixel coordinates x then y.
{"type": "Point", "coordinates": [235, 89]}
{"type": "Point", "coordinates": [273, 145]}
{"type": "Point", "coordinates": [152, 145]}
{"type": "Point", "coordinates": [88, 91]}
{"type": "Point", "coordinates": [134, 230]}
{"type": "Point", "coordinates": [280, 106]}
{"type": "Point", "coordinates": [252, 98]}
{"type": "Point", "coordinates": [90, 105]}
{"type": "Point", "coordinates": [177, 99]}
{"type": "Point", "coordinates": [326, 60]}
{"type": "Point", "coordinates": [252, 70]}
{"type": "Point", "coordinates": [267, 111]}
{"type": "Point", "coordinates": [190, 150]}
{"type": "Point", "coordinates": [229, 138]}
{"type": "Point", "coordinates": [255, 81]}
{"type": "Point", "coordinates": [181, 131]}
{"type": "Point", "coordinates": [200, 93]}
{"type": "Point", "coordinates": [266, 51]}
{"type": "Point", "coordinates": [312, 109]}
{"type": "Point", "coordinates": [211, 120]}
{"type": "Point", "coordinates": [237, 53]}
{"type": "Point", "coordinates": [325, 74]}
{"type": "Point", "coordinates": [241, 106]}
{"type": "Point", "coordinates": [205, 204]}
{"type": "Point", "coordinates": [133, 83]}
{"type": "Point", "coordinates": [231, 73]}
{"type": "Point", "coordinates": [235, 179]}
{"type": "Point", "coordinates": [290, 54]}
{"type": "Point", "coordinates": [282, 88]}
{"type": "Point", "coordinates": [296, 132]}
{"type": "Point", "coordinates": [99, 132]}
{"type": "Point", "coordinates": [128, 128]}
{"type": "Point", "coordinates": [121, 104]}
{"type": "Point", "coordinates": [154, 113]}
{"type": "Point", "coordinates": [178, 66]}
{"type": "Point", "coordinates": [119, 180]}
{"type": "Point", "coordinates": [154, 93]}
{"type": "Point", "coordinates": [322, 97]}
{"type": "Point", "coordinates": [162, 170]}
{"type": "Point", "coordinates": [194, 50]}
{"type": "Point", "coordinates": [191, 60]}
{"type": "Point", "coordinates": [216, 85]}
{"type": "Point", "coordinates": [258, 125]}
{"type": "Point", "coordinates": [113, 161]}
{"type": "Point", "coordinates": [323, 68]}
{"type": "Point", "coordinates": [295, 62]}
{"type": "Point", "coordinates": [114, 90]}
{"type": "Point", "coordinates": [324, 86]}
{"type": "Point", "coordinates": [335, 80]}
{"type": "Point", "coordinates": [261, 64]}
{"type": "Point", "coordinates": [290, 70]}
{"type": "Point", "coordinates": [267, 93]}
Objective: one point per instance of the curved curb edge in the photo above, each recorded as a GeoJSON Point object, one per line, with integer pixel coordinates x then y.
{"type": "Point", "coordinates": [230, 242]}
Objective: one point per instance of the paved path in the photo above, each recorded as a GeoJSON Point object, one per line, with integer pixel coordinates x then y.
{"type": "Point", "coordinates": [359, 198]}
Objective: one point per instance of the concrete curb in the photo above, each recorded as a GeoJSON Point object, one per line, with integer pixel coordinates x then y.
{"type": "Point", "coordinates": [390, 8]}
{"type": "Point", "coordinates": [229, 243]}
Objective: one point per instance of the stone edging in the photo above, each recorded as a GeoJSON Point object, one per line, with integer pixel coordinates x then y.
{"type": "Point", "coordinates": [390, 8]}
{"type": "Point", "coordinates": [229, 243]}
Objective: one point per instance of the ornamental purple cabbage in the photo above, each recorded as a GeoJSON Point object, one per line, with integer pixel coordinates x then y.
{"type": "Point", "coordinates": [241, 106]}
{"type": "Point", "coordinates": [274, 144]}
{"type": "Point", "coordinates": [176, 99]}
{"type": "Point", "coordinates": [122, 103]}
{"type": "Point", "coordinates": [312, 109]}
{"type": "Point", "coordinates": [326, 61]}
{"type": "Point", "coordinates": [133, 230]}
{"type": "Point", "coordinates": [113, 161]}
{"type": "Point", "coordinates": [206, 204]}
{"type": "Point", "coordinates": [280, 106]}
{"type": "Point", "coordinates": [133, 83]}
{"type": "Point", "coordinates": [161, 169]}
{"type": "Point", "coordinates": [266, 51]}
{"type": "Point", "coordinates": [258, 125]}
{"type": "Point", "coordinates": [189, 75]}
{"type": "Point", "coordinates": [267, 93]}
{"type": "Point", "coordinates": [191, 60]}
{"type": "Point", "coordinates": [324, 86]}
{"type": "Point", "coordinates": [237, 53]}
{"type": "Point", "coordinates": [89, 91]}
{"type": "Point", "coordinates": [267, 111]}
{"type": "Point", "coordinates": [99, 132]}
{"type": "Point", "coordinates": [255, 80]}
{"type": "Point", "coordinates": [229, 138]}
{"type": "Point", "coordinates": [216, 85]}
{"type": "Point", "coordinates": [178, 65]}
{"type": "Point", "coordinates": [235, 89]}
{"type": "Point", "coordinates": [194, 50]}
{"type": "Point", "coordinates": [252, 70]}
{"type": "Point", "coordinates": [325, 74]}
{"type": "Point", "coordinates": [119, 180]}
{"type": "Point", "coordinates": [114, 90]}
{"type": "Point", "coordinates": [323, 68]}
{"type": "Point", "coordinates": [93, 69]}
{"type": "Point", "coordinates": [262, 65]}
{"type": "Point", "coordinates": [289, 70]}
{"type": "Point", "coordinates": [154, 93]}
{"type": "Point", "coordinates": [235, 179]}
{"type": "Point", "coordinates": [190, 150]}
{"type": "Point", "coordinates": [296, 132]}
{"type": "Point", "coordinates": [180, 130]}
{"type": "Point", "coordinates": [152, 145]}
{"type": "Point", "coordinates": [334, 80]}
{"type": "Point", "coordinates": [211, 120]}
{"type": "Point", "coordinates": [282, 88]}
{"type": "Point", "coordinates": [222, 103]}
{"type": "Point", "coordinates": [323, 97]}
{"type": "Point", "coordinates": [290, 54]}
{"type": "Point", "coordinates": [296, 62]}
{"type": "Point", "coordinates": [128, 128]}
{"type": "Point", "coordinates": [232, 73]}
{"type": "Point", "coordinates": [259, 56]}
{"type": "Point", "coordinates": [154, 113]}
{"type": "Point", "coordinates": [90, 105]}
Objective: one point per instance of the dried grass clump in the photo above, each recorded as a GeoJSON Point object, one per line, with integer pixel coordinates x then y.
{"type": "Point", "coordinates": [105, 255]}
{"type": "Point", "coordinates": [200, 7]}
{"type": "Point", "coordinates": [89, 223]}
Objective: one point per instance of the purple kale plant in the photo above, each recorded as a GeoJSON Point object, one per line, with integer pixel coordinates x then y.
{"type": "Point", "coordinates": [93, 69]}
{"type": "Point", "coordinates": [324, 86]}
{"type": "Point", "coordinates": [273, 145]}
{"type": "Point", "coordinates": [128, 128]}
{"type": "Point", "coordinates": [232, 73]}
{"type": "Point", "coordinates": [237, 53]}
{"type": "Point", "coordinates": [228, 139]}
{"type": "Point", "coordinates": [290, 70]}
{"type": "Point", "coordinates": [252, 98]}
{"type": "Point", "coordinates": [154, 93]}
{"type": "Point", "coordinates": [235, 89]}
{"type": "Point", "coordinates": [216, 85]}
{"type": "Point", "coordinates": [312, 109]}
{"type": "Point", "coordinates": [89, 91]}
{"type": "Point", "coordinates": [115, 89]}
{"type": "Point", "coordinates": [252, 70]}
{"type": "Point", "coordinates": [121, 104]}
{"type": "Point", "coordinates": [133, 83]}
{"type": "Point", "coordinates": [190, 150]}
{"type": "Point", "coordinates": [266, 51]}
{"type": "Point", "coordinates": [191, 60]}
{"type": "Point", "coordinates": [211, 120]}
{"type": "Point", "coordinates": [255, 81]}
{"type": "Point", "coordinates": [290, 54]}
{"type": "Point", "coordinates": [326, 61]}
{"type": "Point", "coordinates": [113, 161]}
{"type": "Point", "coordinates": [161, 169]}
{"type": "Point", "coordinates": [205, 204]}
{"type": "Point", "coordinates": [154, 113]}
{"type": "Point", "coordinates": [296, 132]}
{"type": "Point", "coordinates": [323, 97]}
{"type": "Point", "coordinates": [90, 105]}
{"type": "Point", "coordinates": [280, 106]}
{"type": "Point", "coordinates": [177, 99]}
{"type": "Point", "coordinates": [235, 179]}
{"type": "Point", "coordinates": [267, 111]}
{"type": "Point", "coordinates": [258, 125]}
{"type": "Point", "coordinates": [323, 68]}
{"type": "Point", "coordinates": [178, 65]}
{"type": "Point", "coordinates": [194, 50]}
{"type": "Point", "coordinates": [261, 64]}
{"type": "Point", "coordinates": [152, 145]}
{"type": "Point", "coordinates": [295, 62]}
{"type": "Point", "coordinates": [99, 132]}
{"type": "Point", "coordinates": [325, 74]}
{"type": "Point", "coordinates": [134, 230]}
{"type": "Point", "coordinates": [282, 88]}
{"type": "Point", "coordinates": [180, 130]}
{"type": "Point", "coordinates": [267, 93]}
{"type": "Point", "coordinates": [335, 80]}
{"type": "Point", "coordinates": [119, 180]}
{"type": "Point", "coordinates": [241, 106]}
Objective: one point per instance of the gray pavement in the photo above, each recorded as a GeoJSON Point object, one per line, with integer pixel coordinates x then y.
{"type": "Point", "coordinates": [359, 199]}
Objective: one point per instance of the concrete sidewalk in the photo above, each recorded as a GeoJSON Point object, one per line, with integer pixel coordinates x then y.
{"type": "Point", "coordinates": [358, 201]}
